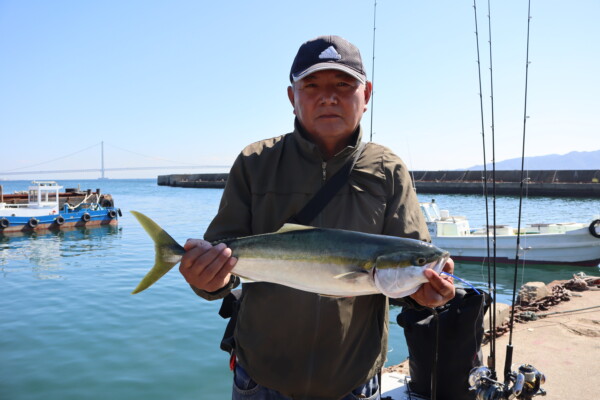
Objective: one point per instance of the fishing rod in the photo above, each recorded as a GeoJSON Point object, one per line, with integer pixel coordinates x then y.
{"type": "Point", "coordinates": [373, 69]}
{"type": "Point", "coordinates": [509, 347]}
{"type": "Point", "coordinates": [492, 319]}
{"type": "Point", "coordinates": [526, 381]}
{"type": "Point", "coordinates": [492, 362]}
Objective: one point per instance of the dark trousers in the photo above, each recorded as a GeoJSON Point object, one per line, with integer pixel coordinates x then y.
{"type": "Point", "coordinates": [244, 388]}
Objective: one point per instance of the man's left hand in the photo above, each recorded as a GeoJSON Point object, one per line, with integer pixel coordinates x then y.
{"type": "Point", "coordinates": [439, 290]}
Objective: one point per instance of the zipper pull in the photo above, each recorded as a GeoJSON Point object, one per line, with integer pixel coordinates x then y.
{"type": "Point", "coordinates": [324, 168]}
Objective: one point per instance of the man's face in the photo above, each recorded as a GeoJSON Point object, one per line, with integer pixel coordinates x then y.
{"type": "Point", "coordinates": [329, 104]}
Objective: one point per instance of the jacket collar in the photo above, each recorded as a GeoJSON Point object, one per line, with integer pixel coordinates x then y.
{"type": "Point", "coordinates": [308, 147]}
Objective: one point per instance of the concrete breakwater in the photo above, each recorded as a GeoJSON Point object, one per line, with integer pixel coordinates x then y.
{"type": "Point", "coordinates": [215, 181]}
{"type": "Point", "coordinates": [553, 183]}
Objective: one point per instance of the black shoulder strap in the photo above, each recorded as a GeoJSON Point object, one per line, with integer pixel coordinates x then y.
{"type": "Point", "coordinates": [326, 193]}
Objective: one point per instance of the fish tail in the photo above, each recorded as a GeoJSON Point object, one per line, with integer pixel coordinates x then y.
{"type": "Point", "coordinates": [167, 252]}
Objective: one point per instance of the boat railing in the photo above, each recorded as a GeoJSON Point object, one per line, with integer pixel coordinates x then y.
{"type": "Point", "coordinates": [430, 211]}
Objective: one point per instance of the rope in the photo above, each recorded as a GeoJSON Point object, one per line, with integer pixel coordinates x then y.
{"type": "Point", "coordinates": [567, 311]}
{"type": "Point", "coordinates": [85, 200]}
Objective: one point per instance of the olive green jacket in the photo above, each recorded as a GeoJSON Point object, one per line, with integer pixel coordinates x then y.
{"type": "Point", "coordinates": [304, 345]}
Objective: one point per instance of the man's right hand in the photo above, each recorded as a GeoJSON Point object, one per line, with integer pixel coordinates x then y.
{"type": "Point", "coordinates": [205, 266]}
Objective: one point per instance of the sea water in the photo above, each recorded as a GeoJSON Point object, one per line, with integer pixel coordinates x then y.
{"type": "Point", "coordinates": [70, 329]}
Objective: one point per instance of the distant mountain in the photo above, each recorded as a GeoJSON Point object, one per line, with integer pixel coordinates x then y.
{"type": "Point", "coordinates": [572, 160]}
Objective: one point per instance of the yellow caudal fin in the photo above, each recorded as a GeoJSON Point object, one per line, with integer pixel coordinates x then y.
{"type": "Point", "coordinates": [168, 252]}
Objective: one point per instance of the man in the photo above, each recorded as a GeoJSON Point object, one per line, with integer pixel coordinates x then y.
{"type": "Point", "coordinates": [290, 343]}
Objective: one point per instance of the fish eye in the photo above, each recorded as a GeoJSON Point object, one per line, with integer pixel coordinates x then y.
{"type": "Point", "coordinates": [420, 261]}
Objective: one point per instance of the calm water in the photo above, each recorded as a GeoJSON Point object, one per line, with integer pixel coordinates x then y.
{"type": "Point", "coordinates": [71, 330]}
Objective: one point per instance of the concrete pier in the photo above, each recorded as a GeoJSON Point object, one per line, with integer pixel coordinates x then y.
{"type": "Point", "coordinates": [557, 183]}
{"type": "Point", "coordinates": [213, 181]}
{"type": "Point", "coordinates": [563, 344]}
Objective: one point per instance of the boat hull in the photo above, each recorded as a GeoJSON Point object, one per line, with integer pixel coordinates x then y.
{"type": "Point", "coordinates": [80, 218]}
{"type": "Point", "coordinates": [577, 248]}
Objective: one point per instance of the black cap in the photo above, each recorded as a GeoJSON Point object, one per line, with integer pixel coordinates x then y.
{"type": "Point", "coordinates": [328, 52]}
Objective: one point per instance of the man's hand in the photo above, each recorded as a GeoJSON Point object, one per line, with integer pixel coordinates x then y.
{"type": "Point", "coordinates": [439, 290]}
{"type": "Point", "coordinates": [206, 267]}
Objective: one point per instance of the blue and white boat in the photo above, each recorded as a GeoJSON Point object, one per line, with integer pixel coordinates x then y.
{"type": "Point", "coordinates": [43, 211]}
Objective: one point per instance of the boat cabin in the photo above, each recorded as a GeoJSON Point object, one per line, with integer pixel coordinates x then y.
{"type": "Point", "coordinates": [43, 194]}
{"type": "Point", "coordinates": [43, 199]}
{"type": "Point", "coordinates": [441, 223]}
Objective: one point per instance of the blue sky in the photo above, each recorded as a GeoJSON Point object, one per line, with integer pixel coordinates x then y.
{"type": "Point", "coordinates": [192, 82]}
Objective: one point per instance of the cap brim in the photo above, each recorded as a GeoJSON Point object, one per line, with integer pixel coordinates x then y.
{"type": "Point", "coordinates": [326, 66]}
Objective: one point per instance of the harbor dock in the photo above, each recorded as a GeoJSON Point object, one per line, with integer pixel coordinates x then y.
{"type": "Point", "coordinates": [553, 183]}
{"type": "Point", "coordinates": [563, 344]}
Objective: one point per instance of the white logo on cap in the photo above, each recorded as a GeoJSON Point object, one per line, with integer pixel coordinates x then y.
{"type": "Point", "coordinates": [330, 54]}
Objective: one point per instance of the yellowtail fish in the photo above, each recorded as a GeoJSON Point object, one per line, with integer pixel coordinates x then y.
{"type": "Point", "coordinates": [330, 262]}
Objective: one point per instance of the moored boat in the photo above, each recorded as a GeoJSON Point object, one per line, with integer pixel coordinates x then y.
{"type": "Point", "coordinates": [545, 243]}
{"type": "Point", "coordinates": [44, 210]}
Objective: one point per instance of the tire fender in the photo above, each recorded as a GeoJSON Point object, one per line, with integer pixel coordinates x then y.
{"type": "Point", "coordinates": [595, 228]}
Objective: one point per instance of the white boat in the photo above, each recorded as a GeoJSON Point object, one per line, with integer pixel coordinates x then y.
{"type": "Point", "coordinates": [42, 211]}
{"type": "Point", "coordinates": [575, 244]}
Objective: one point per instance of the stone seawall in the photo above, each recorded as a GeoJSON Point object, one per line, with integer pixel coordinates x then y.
{"type": "Point", "coordinates": [193, 180]}
{"type": "Point", "coordinates": [559, 183]}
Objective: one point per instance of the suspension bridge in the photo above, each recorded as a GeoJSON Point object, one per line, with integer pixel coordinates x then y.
{"type": "Point", "coordinates": [102, 169]}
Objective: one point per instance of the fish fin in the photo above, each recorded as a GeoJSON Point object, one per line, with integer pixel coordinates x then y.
{"type": "Point", "coordinates": [293, 227]}
{"type": "Point", "coordinates": [168, 252]}
{"type": "Point", "coordinates": [330, 296]}
{"type": "Point", "coordinates": [351, 275]}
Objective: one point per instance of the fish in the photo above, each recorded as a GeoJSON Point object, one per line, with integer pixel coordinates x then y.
{"type": "Point", "coordinates": [329, 262]}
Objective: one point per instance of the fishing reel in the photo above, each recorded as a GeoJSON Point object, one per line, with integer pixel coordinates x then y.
{"type": "Point", "coordinates": [522, 384]}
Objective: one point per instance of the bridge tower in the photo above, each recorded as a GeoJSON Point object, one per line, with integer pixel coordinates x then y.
{"type": "Point", "coordinates": [102, 160]}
